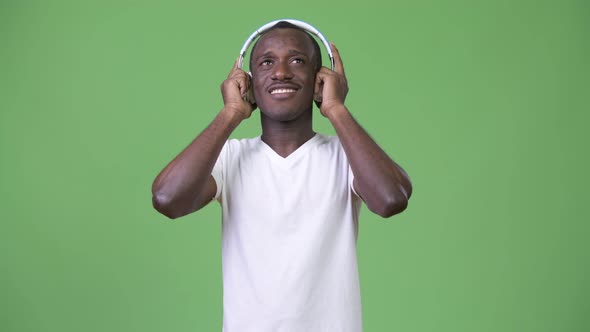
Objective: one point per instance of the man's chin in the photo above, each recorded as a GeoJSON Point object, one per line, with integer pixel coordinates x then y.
{"type": "Point", "coordinates": [284, 115]}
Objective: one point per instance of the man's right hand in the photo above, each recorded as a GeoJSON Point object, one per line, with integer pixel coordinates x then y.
{"type": "Point", "coordinates": [234, 90]}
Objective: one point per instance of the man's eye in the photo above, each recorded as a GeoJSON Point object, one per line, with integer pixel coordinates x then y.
{"type": "Point", "coordinates": [266, 62]}
{"type": "Point", "coordinates": [298, 60]}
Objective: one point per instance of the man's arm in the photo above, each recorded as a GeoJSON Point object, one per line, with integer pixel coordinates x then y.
{"type": "Point", "coordinates": [382, 184]}
{"type": "Point", "coordinates": [378, 180]}
{"type": "Point", "coordinates": [185, 185]}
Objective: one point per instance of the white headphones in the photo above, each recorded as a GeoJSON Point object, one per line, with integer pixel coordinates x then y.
{"type": "Point", "coordinates": [305, 26]}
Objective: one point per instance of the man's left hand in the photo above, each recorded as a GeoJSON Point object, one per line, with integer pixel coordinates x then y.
{"type": "Point", "coordinates": [331, 86]}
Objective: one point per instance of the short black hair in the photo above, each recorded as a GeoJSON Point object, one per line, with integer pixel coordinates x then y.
{"type": "Point", "coordinates": [286, 25]}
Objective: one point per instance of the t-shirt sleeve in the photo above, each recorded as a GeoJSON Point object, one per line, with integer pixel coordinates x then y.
{"type": "Point", "coordinates": [218, 171]}
{"type": "Point", "coordinates": [351, 181]}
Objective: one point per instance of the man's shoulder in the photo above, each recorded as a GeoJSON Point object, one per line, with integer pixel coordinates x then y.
{"type": "Point", "coordinates": [325, 138]}
{"type": "Point", "coordinates": [331, 142]}
{"type": "Point", "coordinates": [240, 147]}
{"type": "Point", "coordinates": [243, 143]}
{"type": "Point", "coordinates": [244, 140]}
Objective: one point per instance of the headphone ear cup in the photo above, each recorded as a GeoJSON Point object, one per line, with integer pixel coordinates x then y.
{"type": "Point", "coordinates": [318, 103]}
{"type": "Point", "coordinates": [250, 94]}
{"type": "Point", "coordinates": [317, 96]}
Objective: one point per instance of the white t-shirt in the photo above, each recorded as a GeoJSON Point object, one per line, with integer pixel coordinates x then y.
{"type": "Point", "coordinates": [289, 238]}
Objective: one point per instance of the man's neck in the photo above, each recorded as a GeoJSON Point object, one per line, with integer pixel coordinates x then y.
{"type": "Point", "coordinates": [286, 137]}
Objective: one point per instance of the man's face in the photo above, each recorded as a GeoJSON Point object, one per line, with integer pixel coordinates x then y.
{"type": "Point", "coordinates": [283, 74]}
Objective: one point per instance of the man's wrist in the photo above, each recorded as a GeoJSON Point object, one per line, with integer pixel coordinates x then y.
{"type": "Point", "coordinates": [334, 112]}
{"type": "Point", "coordinates": [233, 115]}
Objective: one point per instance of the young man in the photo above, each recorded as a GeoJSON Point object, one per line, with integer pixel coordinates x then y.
{"type": "Point", "coordinates": [291, 197]}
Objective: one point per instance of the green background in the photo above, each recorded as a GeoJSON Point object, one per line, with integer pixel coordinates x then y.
{"type": "Point", "coordinates": [485, 104]}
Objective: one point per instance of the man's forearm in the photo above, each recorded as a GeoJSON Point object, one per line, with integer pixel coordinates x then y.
{"type": "Point", "coordinates": [380, 182]}
{"type": "Point", "coordinates": [177, 190]}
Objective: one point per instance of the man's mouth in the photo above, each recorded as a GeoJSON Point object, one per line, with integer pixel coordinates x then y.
{"type": "Point", "coordinates": [282, 90]}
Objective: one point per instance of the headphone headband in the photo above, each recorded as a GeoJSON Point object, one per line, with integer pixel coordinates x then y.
{"type": "Point", "coordinates": [305, 26]}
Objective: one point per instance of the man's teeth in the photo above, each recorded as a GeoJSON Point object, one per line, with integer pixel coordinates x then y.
{"type": "Point", "coordinates": [281, 91]}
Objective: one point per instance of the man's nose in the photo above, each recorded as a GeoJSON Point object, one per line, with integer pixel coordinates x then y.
{"type": "Point", "coordinates": [281, 71]}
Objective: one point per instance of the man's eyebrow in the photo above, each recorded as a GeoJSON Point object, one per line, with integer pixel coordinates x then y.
{"type": "Point", "coordinates": [270, 53]}
{"type": "Point", "coordinates": [263, 55]}
{"type": "Point", "coordinates": [297, 52]}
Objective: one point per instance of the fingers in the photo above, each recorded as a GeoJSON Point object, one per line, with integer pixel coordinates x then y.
{"type": "Point", "coordinates": [239, 77]}
{"type": "Point", "coordinates": [247, 89]}
{"type": "Point", "coordinates": [338, 65]}
{"type": "Point", "coordinates": [330, 87]}
{"type": "Point", "coordinates": [234, 67]}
